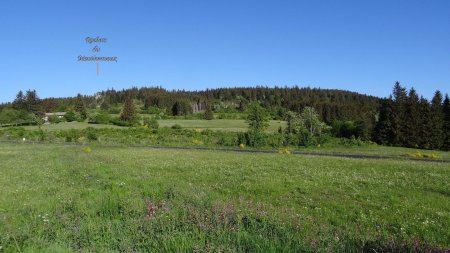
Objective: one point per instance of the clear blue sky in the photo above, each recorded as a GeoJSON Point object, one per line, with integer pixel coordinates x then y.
{"type": "Point", "coordinates": [362, 46]}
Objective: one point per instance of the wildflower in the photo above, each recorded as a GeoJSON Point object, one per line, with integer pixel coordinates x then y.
{"type": "Point", "coordinates": [197, 142]}
{"type": "Point", "coordinates": [314, 243]}
{"type": "Point", "coordinates": [151, 210]}
{"type": "Point", "coordinates": [87, 150]}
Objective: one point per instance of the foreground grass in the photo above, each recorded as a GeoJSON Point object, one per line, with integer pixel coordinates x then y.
{"type": "Point", "coordinates": [58, 198]}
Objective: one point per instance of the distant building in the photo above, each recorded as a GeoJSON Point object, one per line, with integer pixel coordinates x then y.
{"type": "Point", "coordinates": [50, 114]}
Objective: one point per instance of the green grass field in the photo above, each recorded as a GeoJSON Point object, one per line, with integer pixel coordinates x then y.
{"type": "Point", "coordinates": [64, 198]}
{"type": "Point", "coordinates": [216, 124]}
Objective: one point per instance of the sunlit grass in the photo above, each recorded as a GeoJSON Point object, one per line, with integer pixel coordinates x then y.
{"type": "Point", "coordinates": [58, 198]}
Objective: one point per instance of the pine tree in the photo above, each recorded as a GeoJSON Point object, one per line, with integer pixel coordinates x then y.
{"type": "Point", "coordinates": [19, 102]}
{"type": "Point", "coordinates": [425, 126]}
{"type": "Point", "coordinates": [437, 121]}
{"type": "Point", "coordinates": [411, 124]}
{"type": "Point", "coordinates": [32, 102]}
{"type": "Point", "coordinates": [208, 113]}
{"type": "Point", "coordinates": [80, 107]}
{"type": "Point", "coordinates": [128, 111]}
{"type": "Point", "coordinates": [446, 128]}
{"type": "Point", "coordinates": [399, 123]}
{"type": "Point", "coordinates": [385, 129]}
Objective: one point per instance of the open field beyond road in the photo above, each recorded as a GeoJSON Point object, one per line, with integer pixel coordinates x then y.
{"type": "Point", "coordinates": [58, 198]}
{"type": "Point", "coordinates": [216, 124]}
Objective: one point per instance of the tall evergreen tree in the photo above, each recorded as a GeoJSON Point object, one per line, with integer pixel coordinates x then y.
{"type": "Point", "coordinates": [128, 111]}
{"type": "Point", "coordinates": [446, 128]}
{"type": "Point", "coordinates": [399, 123]}
{"type": "Point", "coordinates": [385, 129]}
{"type": "Point", "coordinates": [425, 126]}
{"type": "Point", "coordinates": [32, 102]}
{"type": "Point", "coordinates": [19, 102]}
{"type": "Point", "coordinates": [80, 107]}
{"type": "Point", "coordinates": [411, 124]}
{"type": "Point", "coordinates": [437, 121]}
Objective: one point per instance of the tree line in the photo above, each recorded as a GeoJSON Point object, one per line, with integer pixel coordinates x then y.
{"type": "Point", "coordinates": [403, 119]}
{"type": "Point", "coordinates": [407, 120]}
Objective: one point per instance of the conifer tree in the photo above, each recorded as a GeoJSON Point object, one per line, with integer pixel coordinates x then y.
{"type": "Point", "coordinates": [399, 121]}
{"type": "Point", "coordinates": [80, 107]}
{"type": "Point", "coordinates": [424, 137]}
{"type": "Point", "coordinates": [437, 121]}
{"type": "Point", "coordinates": [446, 127]}
{"type": "Point", "coordinates": [19, 102]}
{"type": "Point", "coordinates": [32, 102]}
{"type": "Point", "coordinates": [128, 111]}
{"type": "Point", "coordinates": [384, 132]}
{"type": "Point", "coordinates": [208, 113]}
{"type": "Point", "coordinates": [411, 124]}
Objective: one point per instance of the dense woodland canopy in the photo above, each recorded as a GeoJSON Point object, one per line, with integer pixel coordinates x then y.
{"type": "Point", "coordinates": [403, 119]}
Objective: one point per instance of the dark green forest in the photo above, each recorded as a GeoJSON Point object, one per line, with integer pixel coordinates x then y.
{"type": "Point", "coordinates": [403, 119]}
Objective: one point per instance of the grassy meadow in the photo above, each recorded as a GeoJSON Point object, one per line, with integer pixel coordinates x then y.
{"type": "Point", "coordinates": [235, 125]}
{"type": "Point", "coordinates": [65, 198]}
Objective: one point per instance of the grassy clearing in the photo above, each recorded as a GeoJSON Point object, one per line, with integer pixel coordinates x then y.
{"type": "Point", "coordinates": [216, 124]}
{"type": "Point", "coordinates": [200, 137]}
{"type": "Point", "coordinates": [58, 198]}
{"type": "Point", "coordinates": [70, 125]}
{"type": "Point", "coordinates": [376, 150]}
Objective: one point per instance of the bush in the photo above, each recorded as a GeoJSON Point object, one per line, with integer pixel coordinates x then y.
{"type": "Point", "coordinates": [116, 121]}
{"type": "Point", "coordinates": [419, 154]}
{"type": "Point", "coordinates": [176, 126]}
{"type": "Point", "coordinates": [54, 119]}
{"type": "Point", "coordinates": [99, 118]}
{"type": "Point", "coordinates": [228, 140]}
{"type": "Point", "coordinates": [151, 122]}
{"type": "Point", "coordinates": [209, 114]}
{"type": "Point", "coordinates": [70, 116]}
{"type": "Point", "coordinates": [254, 138]}
{"type": "Point", "coordinates": [347, 129]}
{"type": "Point", "coordinates": [90, 134]}
{"type": "Point", "coordinates": [351, 141]}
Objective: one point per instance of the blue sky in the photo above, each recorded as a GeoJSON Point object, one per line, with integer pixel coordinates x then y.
{"type": "Point", "coordinates": [362, 46]}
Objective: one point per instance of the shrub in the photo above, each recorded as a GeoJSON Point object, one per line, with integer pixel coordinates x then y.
{"type": "Point", "coordinates": [116, 121]}
{"type": "Point", "coordinates": [197, 142]}
{"type": "Point", "coordinates": [90, 134]}
{"type": "Point", "coordinates": [351, 141]}
{"type": "Point", "coordinates": [70, 116]}
{"type": "Point", "coordinates": [54, 119]}
{"type": "Point", "coordinates": [255, 138]}
{"type": "Point", "coordinates": [419, 154]}
{"type": "Point", "coordinates": [285, 151]}
{"type": "Point", "coordinates": [227, 140]}
{"type": "Point", "coordinates": [209, 114]}
{"type": "Point", "coordinates": [99, 118]}
{"type": "Point", "coordinates": [87, 150]}
{"type": "Point", "coordinates": [151, 122]}
{"type": "Point", "coordinates": [176, 126]}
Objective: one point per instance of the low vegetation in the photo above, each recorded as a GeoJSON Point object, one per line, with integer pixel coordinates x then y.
{"type": "Point", "coordinates": [59, 198]}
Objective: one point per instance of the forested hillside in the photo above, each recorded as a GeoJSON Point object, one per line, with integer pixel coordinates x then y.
{"type": "Point", "coordinates": [403, 119]}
